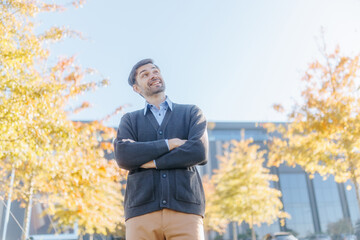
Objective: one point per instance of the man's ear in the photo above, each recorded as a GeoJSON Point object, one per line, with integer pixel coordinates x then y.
{"type": "Point", "coordinates": [136, 88]}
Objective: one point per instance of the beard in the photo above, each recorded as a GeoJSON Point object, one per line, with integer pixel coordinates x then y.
{"type": "Point", "coordinates": [152, 92]}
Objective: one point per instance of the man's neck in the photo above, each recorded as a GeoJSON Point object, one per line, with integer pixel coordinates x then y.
{"type": "Point", "coordinates": [156, 99]}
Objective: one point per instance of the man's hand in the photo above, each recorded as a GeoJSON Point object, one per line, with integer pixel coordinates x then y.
{"type": "Point", "coordinates": [149, 164]}
{"type": "Point", "coordinates": [175, 142]}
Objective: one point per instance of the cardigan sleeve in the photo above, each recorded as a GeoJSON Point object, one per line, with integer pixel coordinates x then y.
{"type": "Point", "coordinates": [131, 155]}
{"type": "Point", "coordinates": [194, 151]}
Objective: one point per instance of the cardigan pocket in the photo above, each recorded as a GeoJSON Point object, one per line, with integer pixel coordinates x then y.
{"type": "Point", "coordinates": [188, 187]}
{"type": "Point", "coordinates": [140, 189]}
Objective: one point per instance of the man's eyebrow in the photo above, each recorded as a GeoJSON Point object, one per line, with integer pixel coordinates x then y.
{"type": "Point", "coordinates": [142, 71]}
{"type": "Point", "coordinates": [146, 70]}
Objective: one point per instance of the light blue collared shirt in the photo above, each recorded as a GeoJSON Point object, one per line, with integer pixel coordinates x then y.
{"type": "Point", "coordinates": [159, 114]}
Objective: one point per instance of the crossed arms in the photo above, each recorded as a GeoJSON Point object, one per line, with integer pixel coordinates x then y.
{"type": "Point", "coordinates": [131, 154]}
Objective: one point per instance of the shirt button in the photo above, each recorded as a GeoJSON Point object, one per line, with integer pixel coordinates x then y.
{"type": "Point", "coordinates": [164, 201]}
{"type": "Point", "coordinates": [164, 175]}
{"type": "Point", "coordinates": [160, 132]}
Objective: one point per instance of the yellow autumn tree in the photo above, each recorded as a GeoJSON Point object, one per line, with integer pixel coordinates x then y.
{"type": "Point", "coordinates": [323, 133]}
{"type": "Point", "coordinates": [213, 219]}
{"type": "Point", "coordinates": [55, 161]}
{"type": "Point", "coordinates": [242, 187]}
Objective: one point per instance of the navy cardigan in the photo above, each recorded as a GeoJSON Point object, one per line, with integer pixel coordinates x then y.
{"type": "Point", "coordinates": [175, 183]}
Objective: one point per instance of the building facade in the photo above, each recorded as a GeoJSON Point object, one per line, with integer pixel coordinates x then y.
{"type": "Point", "coordinates": [315, 205]}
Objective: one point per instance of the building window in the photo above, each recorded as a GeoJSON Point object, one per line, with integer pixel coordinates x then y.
{"type": "Point", "coordinates": [353, 204]}
{"type": "Point", "coordinates": [296, 203]}
{"type": "Point", "coordinates": [328, 201]}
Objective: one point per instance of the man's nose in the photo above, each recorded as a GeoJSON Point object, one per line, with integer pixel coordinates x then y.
{"type": "Point", "coordinates": [152, 76]}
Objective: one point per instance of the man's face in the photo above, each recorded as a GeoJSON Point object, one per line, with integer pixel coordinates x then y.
{"type": "Point", "coordinates": [148, 81]}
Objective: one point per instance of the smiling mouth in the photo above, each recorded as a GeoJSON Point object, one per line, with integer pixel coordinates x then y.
{"type": "Point", "coordinates": [156, 82]}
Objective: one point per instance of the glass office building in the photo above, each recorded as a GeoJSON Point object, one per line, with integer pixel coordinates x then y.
{"type": "Point", "coordinates": [313, 204]}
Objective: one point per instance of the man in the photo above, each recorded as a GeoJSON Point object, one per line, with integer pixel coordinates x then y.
{"type": "Point", "coordinates": [161, 145]}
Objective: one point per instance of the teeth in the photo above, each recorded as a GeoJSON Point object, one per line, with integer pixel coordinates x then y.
{"type": "Point", "coordinates": [155, 83]}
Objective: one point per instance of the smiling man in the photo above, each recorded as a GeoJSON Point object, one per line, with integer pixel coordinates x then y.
{"type": "Point", "coordinates": [161, 145]}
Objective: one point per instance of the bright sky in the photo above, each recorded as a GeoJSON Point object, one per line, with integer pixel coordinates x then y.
{"type": "Point", "coordinates": [232, 58]}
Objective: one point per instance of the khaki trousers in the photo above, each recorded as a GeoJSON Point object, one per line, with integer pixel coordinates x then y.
{"type": "Point", "coordinates": [165, 224]}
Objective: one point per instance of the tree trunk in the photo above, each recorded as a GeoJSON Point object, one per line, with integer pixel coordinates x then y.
{"type": "Point", "coordinates": [27, 216]}
{"type": "Point", "coordinates": [8, 206]}
{"type": "Point", "coordinates": [253, 236]}
{"type": "Point", "coordinates": [234, 231]}
{"type": "Point", "coordinates": [91, 237]}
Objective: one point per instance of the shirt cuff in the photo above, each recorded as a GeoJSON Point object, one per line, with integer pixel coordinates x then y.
{"type": "Point", "coordinates": [167, 143]}
{"type": "Point", "coordinates": [155, 163]}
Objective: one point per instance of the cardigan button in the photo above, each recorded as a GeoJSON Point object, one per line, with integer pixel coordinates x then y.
{"type": "Point", "coordinates": [160, 132]}
{"type": "Point", "coordinates": [164, 175]}
{"type": "Point", "coordinates": [164, 201]}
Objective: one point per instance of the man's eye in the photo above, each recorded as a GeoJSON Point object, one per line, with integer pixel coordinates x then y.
{"type": "Point", "coordinates": [145, 75]}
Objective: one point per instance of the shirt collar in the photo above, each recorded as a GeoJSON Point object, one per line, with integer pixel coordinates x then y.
{"type": "Point", "coordinates": [167, 102]}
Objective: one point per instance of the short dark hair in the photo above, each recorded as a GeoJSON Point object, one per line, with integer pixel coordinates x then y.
{"type": "Point", "coordinates": [132, 76]}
